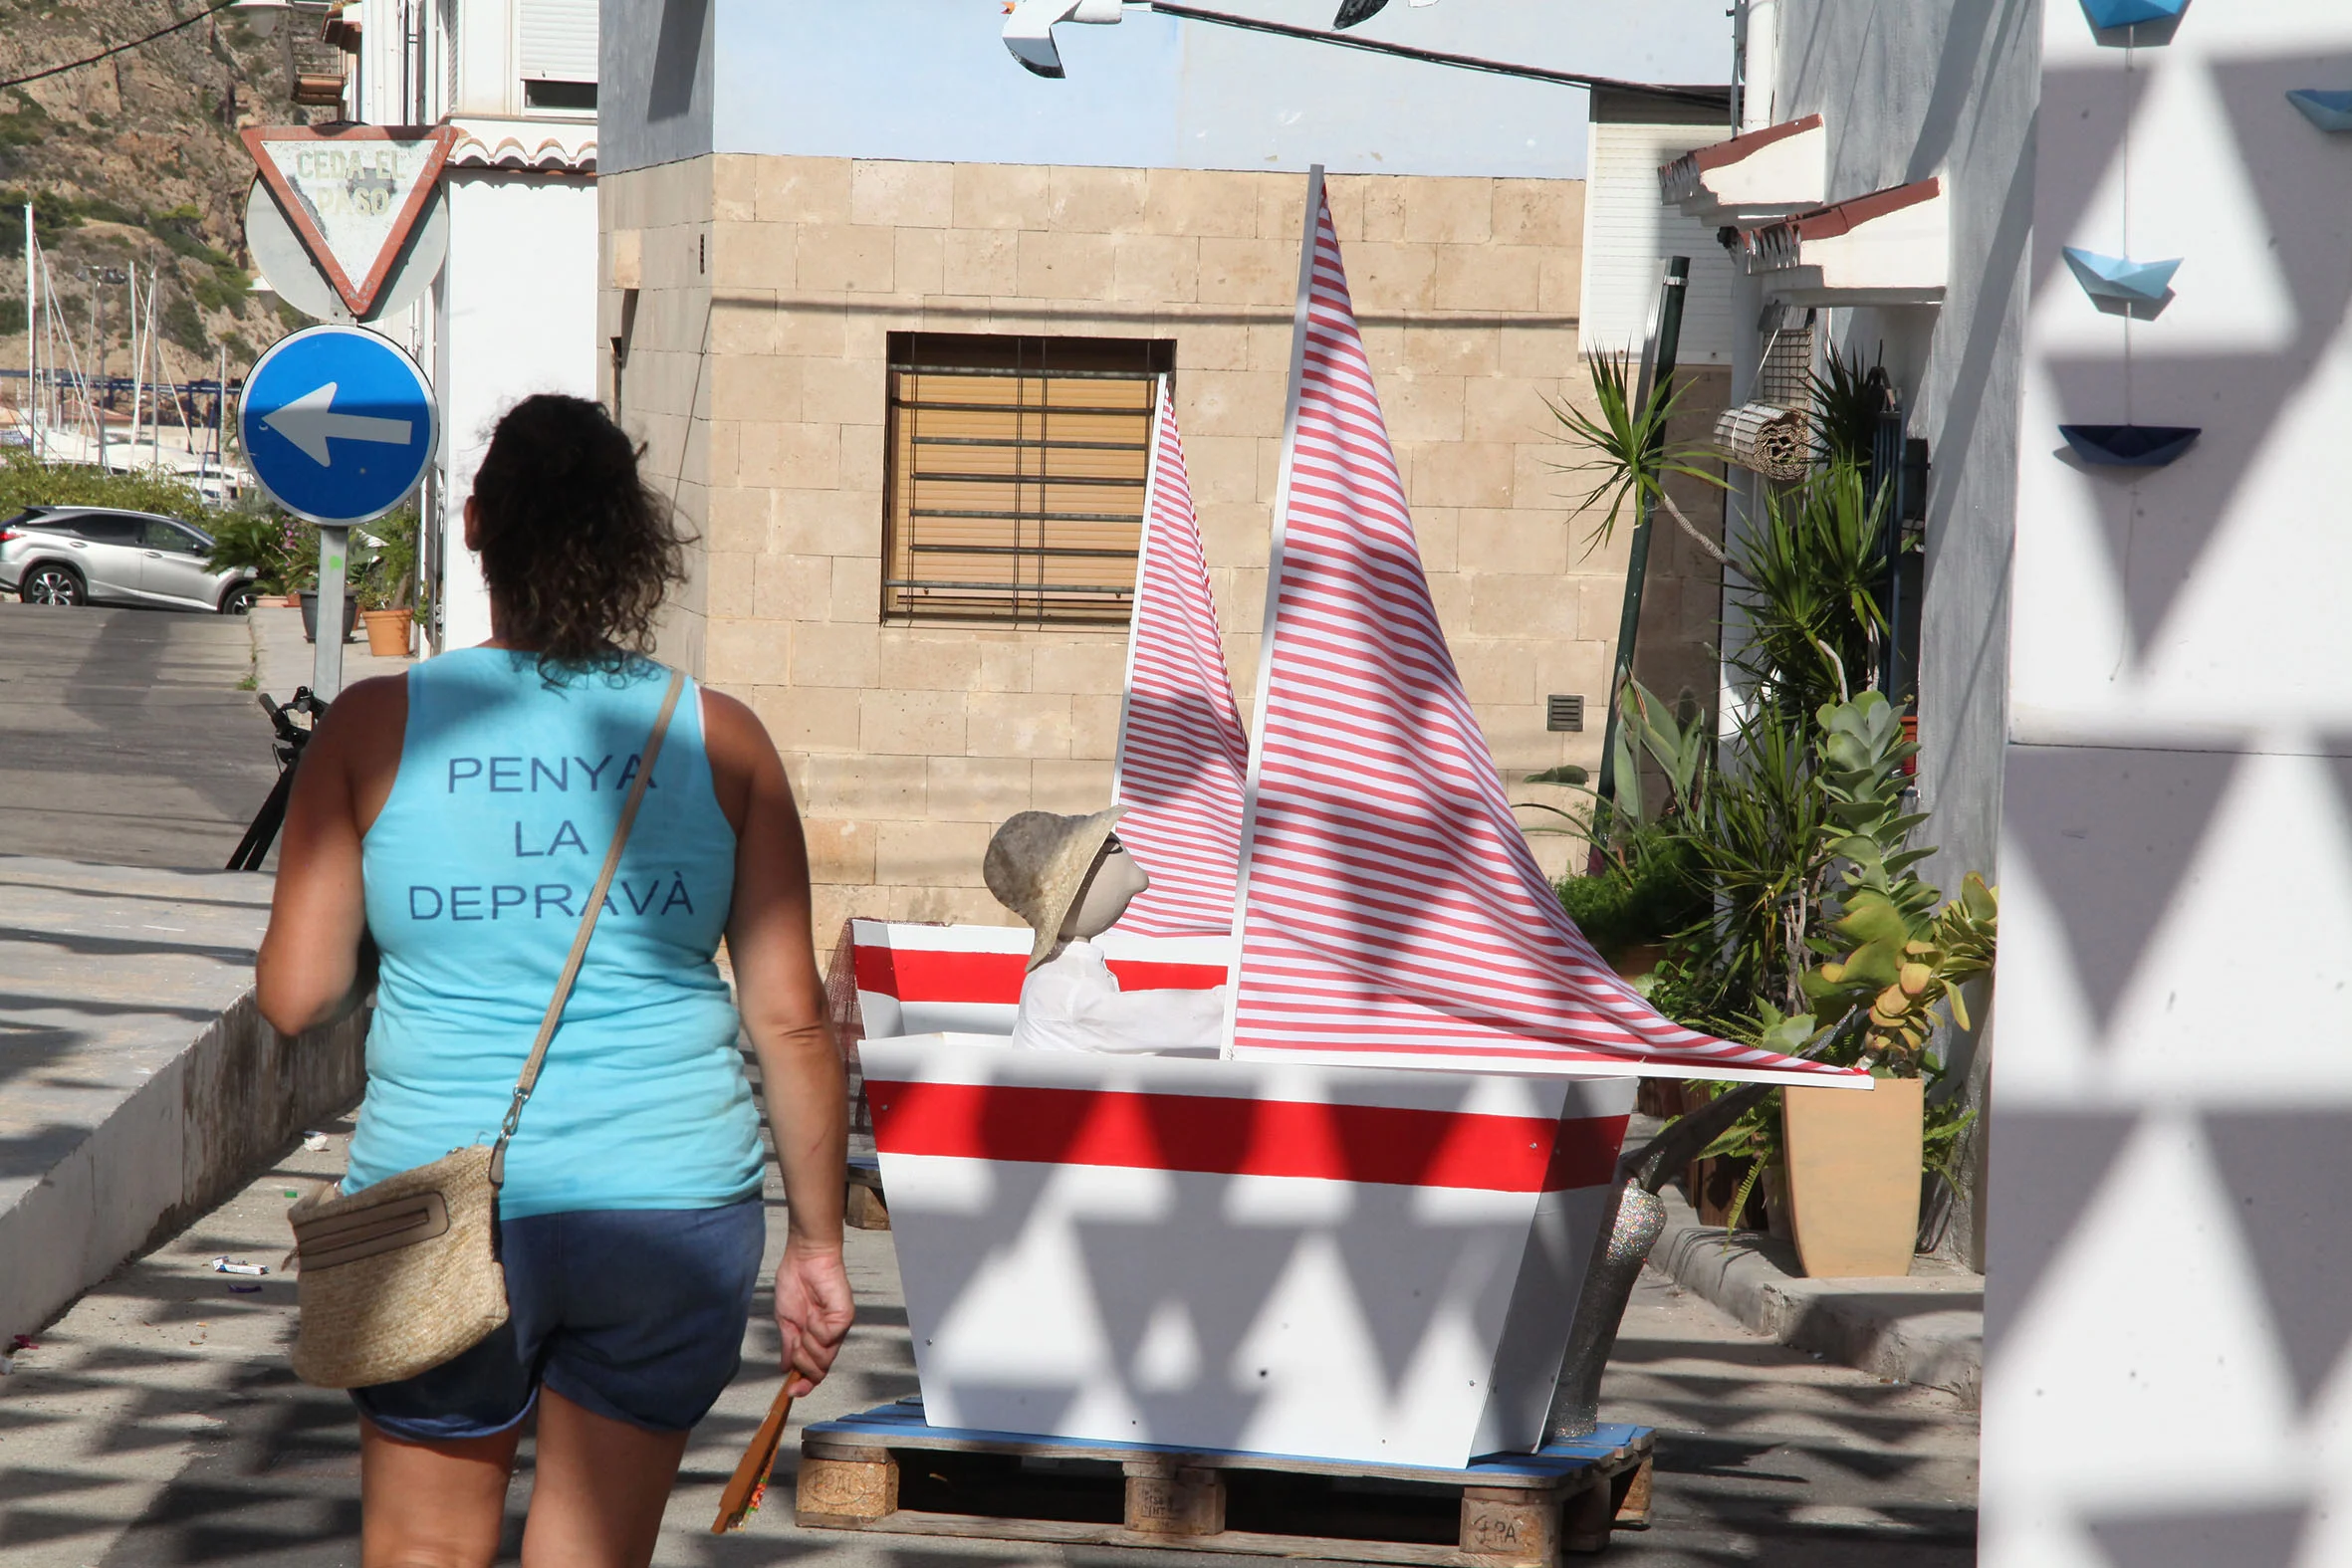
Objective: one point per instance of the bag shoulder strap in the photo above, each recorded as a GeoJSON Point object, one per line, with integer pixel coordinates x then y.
{"type": "Point", "coordinates": [528, 1079]}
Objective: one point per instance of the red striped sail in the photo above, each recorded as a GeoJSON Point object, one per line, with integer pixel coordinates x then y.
{"type": "Point", "coordinates": [1391, 907]}
{"type": "Point", "coordinates": [1182, 750]}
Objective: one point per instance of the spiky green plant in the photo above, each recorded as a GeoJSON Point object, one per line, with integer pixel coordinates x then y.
{"type": "Point", "coordinates": [1847, 401]}
{"type": "Point", "coordinates": [1629, 456]}
{"type": "Point", "coordinates": [1809, 582]}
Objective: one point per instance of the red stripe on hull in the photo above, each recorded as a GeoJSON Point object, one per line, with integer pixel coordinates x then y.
{"type": "Point", "coordinates": [1239, 1137]}
{"type": "Point", "coordinates": [930, 974]}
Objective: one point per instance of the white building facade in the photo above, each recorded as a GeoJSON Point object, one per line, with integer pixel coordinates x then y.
{"type": "Point", "coordinates": [2133, 702]}
{"type": "Point", "coordinates": [513, 310]}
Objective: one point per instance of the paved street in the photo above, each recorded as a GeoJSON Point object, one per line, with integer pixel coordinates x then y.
{"type": "Point", "coordinates": [157, 1424]}
{"type": "Point", "coordinates": [127, 738]}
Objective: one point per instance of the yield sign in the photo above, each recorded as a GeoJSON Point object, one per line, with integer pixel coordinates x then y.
{"type": "Point", "coordinates": [352, 194]}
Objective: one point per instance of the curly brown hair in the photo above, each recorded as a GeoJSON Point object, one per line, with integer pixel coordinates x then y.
{"type": "Point", "coordinates": [578, 550]}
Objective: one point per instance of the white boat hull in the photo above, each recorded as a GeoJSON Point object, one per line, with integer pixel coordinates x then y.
{"type": "Point", "coordinates": [1338, 1263]}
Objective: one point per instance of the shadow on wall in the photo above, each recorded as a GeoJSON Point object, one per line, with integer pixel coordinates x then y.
{"type": "Point", "coordinates": [2155, 546]}
{"type": "Point", "coordinates": [678, 51]}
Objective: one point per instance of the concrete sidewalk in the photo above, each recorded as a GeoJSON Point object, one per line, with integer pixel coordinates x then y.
{"type": "Point", "coordinates": [139, 1084]}
{"type": "Point", "coordinates": [1928, 1328]}
{"type": "Point", "coordinates": [283, 657]}
{"type": "Point", "coordinates": [158, 1423]}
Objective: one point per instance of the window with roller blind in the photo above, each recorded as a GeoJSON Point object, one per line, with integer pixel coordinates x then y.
{"type": "Point", "coordinates": [557, 51]}
{"type": "Point", "coordinates": [1016, 476]}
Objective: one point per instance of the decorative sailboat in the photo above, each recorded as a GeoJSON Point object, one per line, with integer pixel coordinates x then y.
{"type": "Point", "coordinates": [1183, 756]}
{"type": "Point", "coordinates": [1357, 1234]}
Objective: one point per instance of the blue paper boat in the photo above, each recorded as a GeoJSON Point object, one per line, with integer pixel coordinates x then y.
{"type": "Point", "coordinates": [2114, 278]}
{"type": "Point", "coordinates": [2105, 14]}
{"type": "Point", "coordinates": [2328, 110]}
{"type": "Point", "coordinates": [2129, 446]}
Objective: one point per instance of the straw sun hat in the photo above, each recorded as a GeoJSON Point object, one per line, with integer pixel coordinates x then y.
{"type": "Point", "coordinates": [1038, 865]}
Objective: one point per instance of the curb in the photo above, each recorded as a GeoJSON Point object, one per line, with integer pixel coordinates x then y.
{"type": "Point", "coordinates": [1925, 1328]}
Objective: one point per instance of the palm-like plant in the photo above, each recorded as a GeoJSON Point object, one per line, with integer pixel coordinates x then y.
{"type": "Point", "coordinates": [1759, 846]}
{"type": "Point", "coordinates": [1810, 578]}
{"type": "Point", "coordinates": [1630, 458]}
{"type": "Point", "coordinates": [1847, 401]}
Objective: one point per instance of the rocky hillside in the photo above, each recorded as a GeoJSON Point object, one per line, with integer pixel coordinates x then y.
{"type": "Point", "coordinates": [136, 159]}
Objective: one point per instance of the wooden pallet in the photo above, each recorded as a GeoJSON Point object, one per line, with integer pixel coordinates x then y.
{"type": "Point", "coordinates": [862, 1206]}
{"type": "Point", "coordinates": [886, 1469]}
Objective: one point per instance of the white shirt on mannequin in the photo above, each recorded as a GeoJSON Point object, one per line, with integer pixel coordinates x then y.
{"type": "Point", "coordinates": [1072, 1001]}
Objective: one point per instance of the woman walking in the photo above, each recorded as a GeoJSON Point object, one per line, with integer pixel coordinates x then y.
{"type": "Point", "coordinates": [459, 816]}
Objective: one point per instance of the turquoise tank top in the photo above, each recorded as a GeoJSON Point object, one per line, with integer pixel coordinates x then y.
{"type": "Point", "coordinates": [476, 873]}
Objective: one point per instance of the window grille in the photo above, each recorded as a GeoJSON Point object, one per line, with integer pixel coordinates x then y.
{"type": "Point", "coordinates": [1784, 378]}
{"type": "Point", "coordinates": [1016, 470]}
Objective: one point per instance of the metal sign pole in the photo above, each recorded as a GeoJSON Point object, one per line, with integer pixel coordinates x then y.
{"type": "Point", "coordinates": [327, 666]}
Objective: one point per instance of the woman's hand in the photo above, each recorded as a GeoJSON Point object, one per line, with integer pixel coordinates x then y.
{"type": "Point", "coordinates": [813, 1311]}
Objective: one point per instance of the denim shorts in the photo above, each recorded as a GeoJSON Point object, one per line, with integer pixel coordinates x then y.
{"type": "Point", "coordinates": [636, 1314]}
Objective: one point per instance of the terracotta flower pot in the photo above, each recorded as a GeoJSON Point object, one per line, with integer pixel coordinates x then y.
{"type": "Point", "coordinates": [1853, 1176]}
{"type": "Point", "coordinates": [387, 632]}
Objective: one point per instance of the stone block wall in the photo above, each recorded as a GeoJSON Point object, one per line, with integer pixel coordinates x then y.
{"type": "Point", "coordinates": [765, 290]}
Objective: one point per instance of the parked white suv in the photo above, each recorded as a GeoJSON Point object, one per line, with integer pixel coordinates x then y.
{"type": "Point", "coordinates": [98, 556]}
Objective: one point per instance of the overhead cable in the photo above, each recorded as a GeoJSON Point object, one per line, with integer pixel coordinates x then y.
{"type": "Point", "coordinates": [1712, 96]}
{"type": "Point", "coordinates": [105, 54]}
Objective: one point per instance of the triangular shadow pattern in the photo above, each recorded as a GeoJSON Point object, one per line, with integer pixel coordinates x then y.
{"type": "Point", "coordinates": [2109, 834]}
{"type": "Point", "coordinates": [2339, 769]}
{"type": "Point", "coordinates": [2287, 1172]}
{"type": "Point", "coordinates": [2095, 107]}
{"type": "Point", "coordinates": [2240, 1537]}
{"type": "Point", "coordinates": [2156, 536]}
{"type": "Point", "coordinates": [1219, 1273]}
{"type": "Point", "coordinates": [2044, 1169]}
{"type": "Point", "coordinates": [2155, 543]}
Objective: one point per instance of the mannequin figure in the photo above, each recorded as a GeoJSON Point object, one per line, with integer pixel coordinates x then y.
{"type": "Point", "coordinates": [1072, 879]}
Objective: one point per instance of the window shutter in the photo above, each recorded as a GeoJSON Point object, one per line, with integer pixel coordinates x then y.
{"type": "Point", "coordinates": [1015, 494]}
{"type": "Point", "coordinates": [559, 40]}
{"type": "Point", "coordinates": [1628, 231]}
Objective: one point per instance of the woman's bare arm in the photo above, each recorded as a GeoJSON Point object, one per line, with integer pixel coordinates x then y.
{"type": "Point", "coordinates": [772, 946]}
{"type": "Point", "coordinates": [309, 971]}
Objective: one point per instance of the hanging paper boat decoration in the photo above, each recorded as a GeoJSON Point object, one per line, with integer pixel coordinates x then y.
{"type": "Point", "coordinates": [2129, 446]}
{"type": "Point", "coordinates": [2329, 111]}
{"type": "Point", "coordinates": [1182, 750]}
{"type": "Point", "coordinates": [2106, 14]}
{"type": "Point", "coordinates": [2115, 278]}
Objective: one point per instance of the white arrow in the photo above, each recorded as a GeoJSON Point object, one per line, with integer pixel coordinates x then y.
{"type": "Point", "coordinates": [310, 419]}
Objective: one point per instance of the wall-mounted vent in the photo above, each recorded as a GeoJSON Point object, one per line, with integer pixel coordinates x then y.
{"type": "Point", "coordinates": [1563, 713]}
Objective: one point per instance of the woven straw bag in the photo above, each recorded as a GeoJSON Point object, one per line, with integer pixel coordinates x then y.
{"type": "Point", "coordinates": [404, 1275]}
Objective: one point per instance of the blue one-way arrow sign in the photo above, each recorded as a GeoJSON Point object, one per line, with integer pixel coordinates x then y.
{"type": "Point", "coordinates": [337, 423]}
